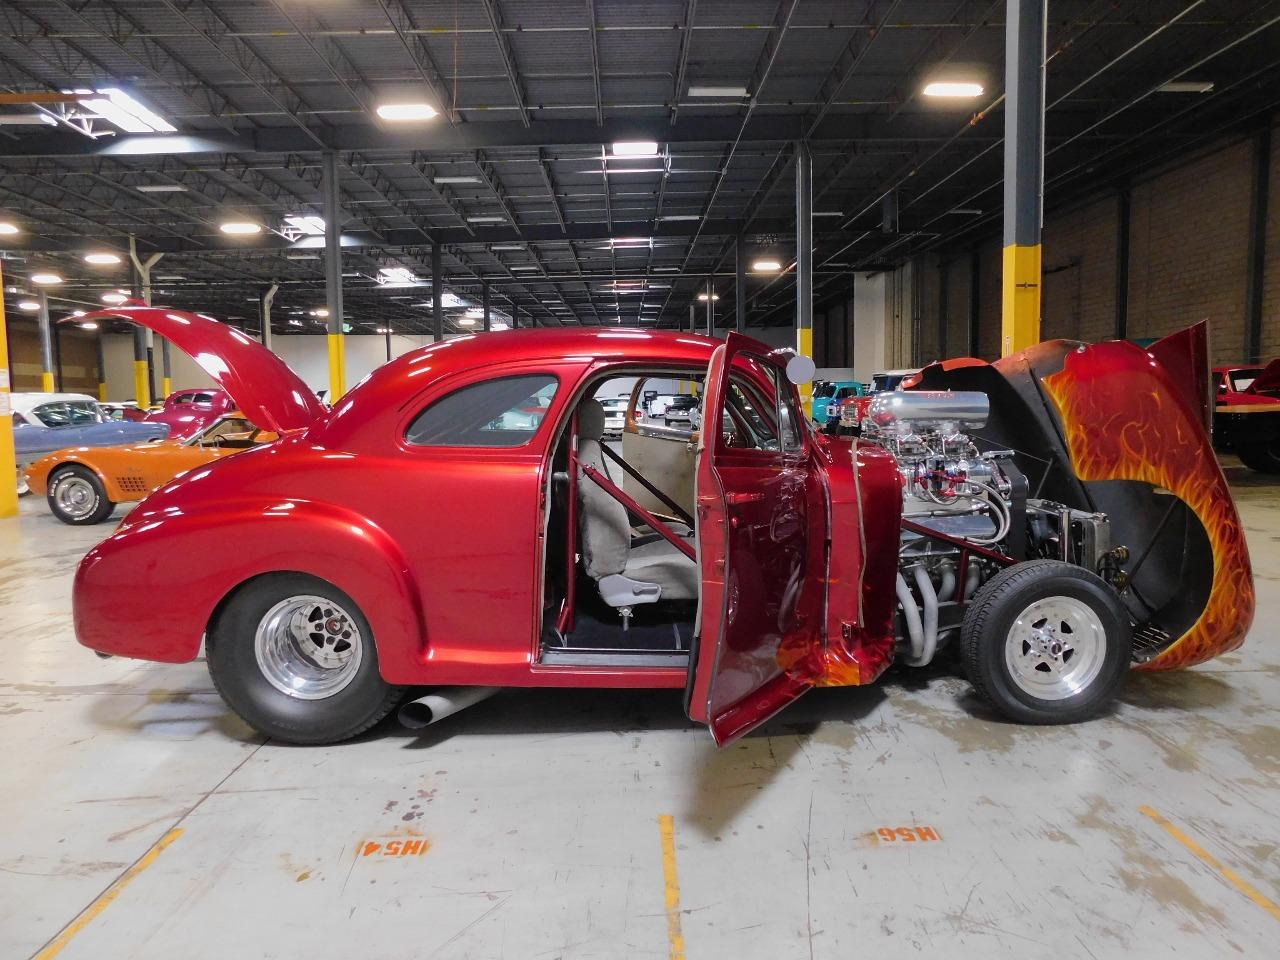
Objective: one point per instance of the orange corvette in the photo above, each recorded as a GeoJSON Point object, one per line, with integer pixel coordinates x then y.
{"type": "Point", "coordinates": [84, 484]}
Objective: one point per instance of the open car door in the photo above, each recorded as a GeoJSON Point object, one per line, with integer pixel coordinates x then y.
{"type": "Point", "coordinates": [761, 523]}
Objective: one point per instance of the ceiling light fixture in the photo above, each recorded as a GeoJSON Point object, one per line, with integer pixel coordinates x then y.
{"type": "Point", "coordinates": [240, 227]}
{"type": "Point", "coordinates": [29, 305]}
{"type": "Point", "coordinates": [406, 112]}
{"type": "Point", "coordinates": [162, 188]}
{"type": "Point", "coordinates": [1186, 86]}
{"type": "Point", "coordinates": [318, 312]}
{"type": "Point", "coordinates": [446, 180]}
{"type": "Point", "coordinates": [634, 148]}
{"type": "Point", "coordinates": [114, 298]}
{"type": "Point", "coordinates": [45, 278]}
{"type": "Point", "coordinates": [88, 325]}
{"type": "Point", "coordinates": [77, 313]}
{"type": "Point", "coordinates": [507, 246]}
{"type": "Point", "coordinates": [383, 330]}
{"type": "Point", "coordinates": [953, 89]}
{"type": "Point", "coordinates": [117, 107]}
{"type": "Point", "coordinates": [713, 90]}
{"type": "Point", "coordinates": [487, 218]}
{"type": "Point", "coordinates": [681, 216]}
{"type": "Point", "coordinates": [766, 266]}
{"type": "Point", "coordinates": [703, 297]}
{"type": "Point", "coordinates": [303, 224]}
{"type": "Point", "coordinates": [8, 229]}
{"type": "Point", "coordinates": [101, 259]}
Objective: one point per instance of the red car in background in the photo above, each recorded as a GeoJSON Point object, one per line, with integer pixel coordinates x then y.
{"type": "Point", "coordinates": [1057, 515]}
{"type": "Point", "coordinates": [187, 412]}
{"type": "Point", "coordinates": [1246, 414]}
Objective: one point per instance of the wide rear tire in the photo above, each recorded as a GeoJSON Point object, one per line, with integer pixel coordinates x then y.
{"type": "Point", "coordinates": [295, 658]}
{"type": "Point", "coordinates": [1263, 457]}
{"type": "Point", "coordinates": [1047, 642]}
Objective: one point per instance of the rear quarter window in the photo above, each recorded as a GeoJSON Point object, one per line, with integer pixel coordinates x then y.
{"type": "Point", "coordinates": [505, 412]}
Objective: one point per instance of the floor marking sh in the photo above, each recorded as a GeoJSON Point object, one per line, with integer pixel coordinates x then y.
{"type": "Point", "coordinates": [671, 882]}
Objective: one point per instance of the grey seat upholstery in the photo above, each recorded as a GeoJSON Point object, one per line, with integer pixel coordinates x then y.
{"type": "Point", "coordinates": [625, 574]}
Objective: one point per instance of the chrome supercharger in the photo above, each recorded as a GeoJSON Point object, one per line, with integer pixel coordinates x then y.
{"type": "Point", "coordinates": [973, 498]}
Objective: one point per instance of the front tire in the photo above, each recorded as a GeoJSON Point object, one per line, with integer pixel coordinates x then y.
{"type": "Point", "coordinates": [77, 497]}
{"type": "Point", "coordinates": [1047, 642]}
{"type": "Point", "coordinates": [294, 657]}
{"type": "Point", "coordinates": [1263, 457]}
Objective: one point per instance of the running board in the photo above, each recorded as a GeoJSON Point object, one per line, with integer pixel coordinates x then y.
{"type": "Point", "coordinates": [579, 657]}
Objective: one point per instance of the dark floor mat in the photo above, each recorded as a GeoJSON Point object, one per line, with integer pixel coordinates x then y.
{"type": "Point", "coordinates": [597, 626]}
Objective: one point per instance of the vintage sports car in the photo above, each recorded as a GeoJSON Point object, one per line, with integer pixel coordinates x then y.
{"type": "Point", "coordinates": [1246, 414]}
{"type": "Point", "coordinates": [84, 484]}
{"type": "Point", "coordinates": [43, 422]}
{"type": "Point", "coordinates": [1056, 518]}
{"type": "Point", "coordinates": [187, 412]}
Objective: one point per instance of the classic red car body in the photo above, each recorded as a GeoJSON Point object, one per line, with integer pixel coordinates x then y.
{"type": "Point", "coordinates": [443, 547]}
{"type": "Point", "coordinates": [1246, 413]}
{"type": "Point", "coordinates": [187, 412]}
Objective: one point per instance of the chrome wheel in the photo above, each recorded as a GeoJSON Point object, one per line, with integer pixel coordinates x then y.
{"type": "Point", "coordinates": [75, 496]}
{"type": "Point", "coordinates": [1056, 648]}
{"type": "Point", "coordinates": [308, 647]}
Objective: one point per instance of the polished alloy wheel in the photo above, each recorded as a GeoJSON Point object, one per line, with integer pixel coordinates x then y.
{"type": "Point", "coordinates": [1055, 648]}
{"type": "Point", "coordinates": [308, 647]}
{"type": "Point", "coordinates": [75, 496]}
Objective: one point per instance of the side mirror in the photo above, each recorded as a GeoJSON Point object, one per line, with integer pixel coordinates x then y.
{"type": "Point", "coordinates": [800, 370]}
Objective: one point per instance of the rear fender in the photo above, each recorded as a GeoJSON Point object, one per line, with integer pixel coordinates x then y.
{"type": "Point", "coordinates": [167, 571]}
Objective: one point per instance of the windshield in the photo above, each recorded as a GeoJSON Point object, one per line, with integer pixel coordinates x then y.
{"type": "Point", "coordinates": [227, 432]}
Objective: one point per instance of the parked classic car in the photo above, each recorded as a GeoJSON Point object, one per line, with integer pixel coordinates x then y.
{"type": "Point", "coordinates": [44, 422]}
{"type": "Point", "coordinates": [828, 397]}
{"type": "Point", "coordinates": [615, 415]}
{"type": "Point", "coordinates": [84, 484]}
{"type": "Point", "coordinates": [128, 410]}
{"type": "Point", "coordinates": [1246, 414]}
{"type": "Point", "coordinates": [187, 412]}
{"type": "Point", "coordinates": [679, 410]}
{"type": "Point", "coordinates": [1057, 516]}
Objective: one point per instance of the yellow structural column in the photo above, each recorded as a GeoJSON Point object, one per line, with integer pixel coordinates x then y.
{"type": "Point", "coordinates": [804, 347]}
{"type": "Point", "coordinates": [8, 460]}
{"type": "Point", "coordinates": [1020, 304]}
{"type": "Point", "coordinates": [337, 366]}
{"type": "Point", "coordinates": [141, 384]}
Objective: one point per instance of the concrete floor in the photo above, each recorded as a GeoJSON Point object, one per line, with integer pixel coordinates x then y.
{"type": "Point", "coordinates": [1149, 833]}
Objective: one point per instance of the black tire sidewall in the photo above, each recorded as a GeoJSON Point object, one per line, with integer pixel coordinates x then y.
{"type": "Point", "coordinates": [102, 508]}
{"type": "Point", "coordinates": [233, 665]}
{"type": "Point", "coordinates": [1003, 598]}
{"type": "Point", "coordinates": [1261, 457]}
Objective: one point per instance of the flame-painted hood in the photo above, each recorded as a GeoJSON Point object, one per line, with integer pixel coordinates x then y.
{"type": "Point", "coordinates": [260, 383]}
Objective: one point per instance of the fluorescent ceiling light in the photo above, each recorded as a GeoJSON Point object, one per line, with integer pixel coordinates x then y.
{"type": "Point", "coordinates": [475, 313]}
{"type": "Point", "coordinates": [28, 305]}
{"type": "Point", "coordinates": [713, 90]}
{"type": "Point", "coordinates": [89, 325]}
{"type": "Point", "coordinates": [240, 227]}
{"type": "Point", "coordinates": [703, 297]}
{"type": "Point", "coordinates": [443, 180]}
{"type": "Point", "coordinates": [101, 259]}
{"type": "Point", "coordinates": [666, 269]}
{"type": "Point", "coordinates": [311, 226]}
{"type": "Point", "coordinates": [613, 172]}
{"type": "Point", "coordinates": [396, 276]}
{"type": "Point", "coordinates": [114, 298]}
{"type": "Point", "coordinates": [519, 267]}
{"type": "Point", "coordinates": [117, 107]}
{"type": "Point", "coordinates": [952, 88]}
{"type": "Point", "coordinates": [45, 278]}
{"type": "Point", "coordinates": [635, 148]}
{"type": "Point", "coordinates": [1186, 86]}
{"type": "Point", "coordinates": [318, 312]}
{"type": "Point", "coordinates": [631, 241]}
{"type": "Point", "coordinates": [828, 213]}
{"type": "Point", "coordinates": [467, 321]}
{"type": "Point", "coordinates": [175, 276]}
{"type": "Point", "coordinates": [487, 218]}
{"type": "Point", "coordinates": [766, 266]}
{"type": "Point", "coordinates": [162, 188]}
{"type": "Point", "coordinates": [8, 229]}
{"type": "Point", "coordinates": [302, 256]}
{"type": "Point", "coordinates": [406, 112]}
{"type": "Point", "coordinates": [967, 211]}
{"type": "Point", "coordinates": [684, 216]}
{"type": "Point", "coordinates": [26, 120]}
{"type": "Point", "coordinates": [507, 246]}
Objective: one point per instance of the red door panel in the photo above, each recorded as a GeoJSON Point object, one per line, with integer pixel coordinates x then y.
{"type": "Point", "coordinates": [761, 531]}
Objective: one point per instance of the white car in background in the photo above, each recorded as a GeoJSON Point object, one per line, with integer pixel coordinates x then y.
{"type": "Point", "coordinates": [615, 415]}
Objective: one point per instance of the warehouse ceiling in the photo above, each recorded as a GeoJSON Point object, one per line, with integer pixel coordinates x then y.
{"type": "Point", "coordinates": [515, 177]}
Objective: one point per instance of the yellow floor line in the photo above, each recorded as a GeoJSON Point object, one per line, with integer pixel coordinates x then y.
{"type": "Point", "coordinates": [87, 915]}
{"type": "Point", "coordinates": [1233, 878]}
{"type": "Point", "coordinates": [667, 826]}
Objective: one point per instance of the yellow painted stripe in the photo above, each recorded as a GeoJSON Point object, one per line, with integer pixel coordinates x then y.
{"type": "Point", "coordinates": [1020, 303]}
{"type": "Point", "coordinates": [141, 384]}
{"type": "Point", "coordinates": [105, 899]}
{"type": "Point", "coordinates": [671, 880]}
{"type": "Point", "coordinates": [337, 367]}
{"type": "Point", "coordinates": [8, 461]}
{"type": "Point", "coordinates": [46, 381]}
{"type": "Point", "coordinates": [1233, 878]}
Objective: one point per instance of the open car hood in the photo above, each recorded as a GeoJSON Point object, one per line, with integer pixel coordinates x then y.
{"type": "Point", "coordinates": [1267, 382]}
{"type": "Point", "coordinates": [260, 383]}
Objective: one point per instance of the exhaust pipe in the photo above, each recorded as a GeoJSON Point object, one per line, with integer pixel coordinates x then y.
{"type": "Point", "coordinates": [445, 702]}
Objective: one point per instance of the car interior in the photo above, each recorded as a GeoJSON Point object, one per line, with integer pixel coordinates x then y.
{"type": "Point", "coordinates": [621, 580]}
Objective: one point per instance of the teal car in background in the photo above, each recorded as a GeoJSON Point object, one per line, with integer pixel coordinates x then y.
{"type": "Point", "coordinates": [827, 396]}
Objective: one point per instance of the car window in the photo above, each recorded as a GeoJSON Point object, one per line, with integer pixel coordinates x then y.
{"type": "Point", "coordinates": [823, 390]}
{"type": "Point", "coordinates": [789, 418]}
{"type": "Point", "coordinates": [19, 419]}
{"type": "Point", "coordinates": [1243, 379]}
{"type": "Point", "coordinates": [747, 425]}
{"type": "Point", "coordinates": [495, 413]}
{"type": "Point", "coordinates": [83, 413]}
{"type": "Point", "coordinates": [52, 414]}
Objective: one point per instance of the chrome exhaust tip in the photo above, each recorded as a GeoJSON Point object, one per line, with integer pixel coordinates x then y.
{"type": "Point", "coordinates": [444, 702]}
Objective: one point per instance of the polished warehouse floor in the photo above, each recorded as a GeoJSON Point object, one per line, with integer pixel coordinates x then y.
{"type": "Point", "coordinates": [140, 819]}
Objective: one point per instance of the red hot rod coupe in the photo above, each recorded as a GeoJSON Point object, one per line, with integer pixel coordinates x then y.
{"type": "Point", "coordinates": [1057, 517]}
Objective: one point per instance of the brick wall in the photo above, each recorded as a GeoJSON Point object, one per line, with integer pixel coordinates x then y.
{"type": "Point", "coordinates": [1188, 250]}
